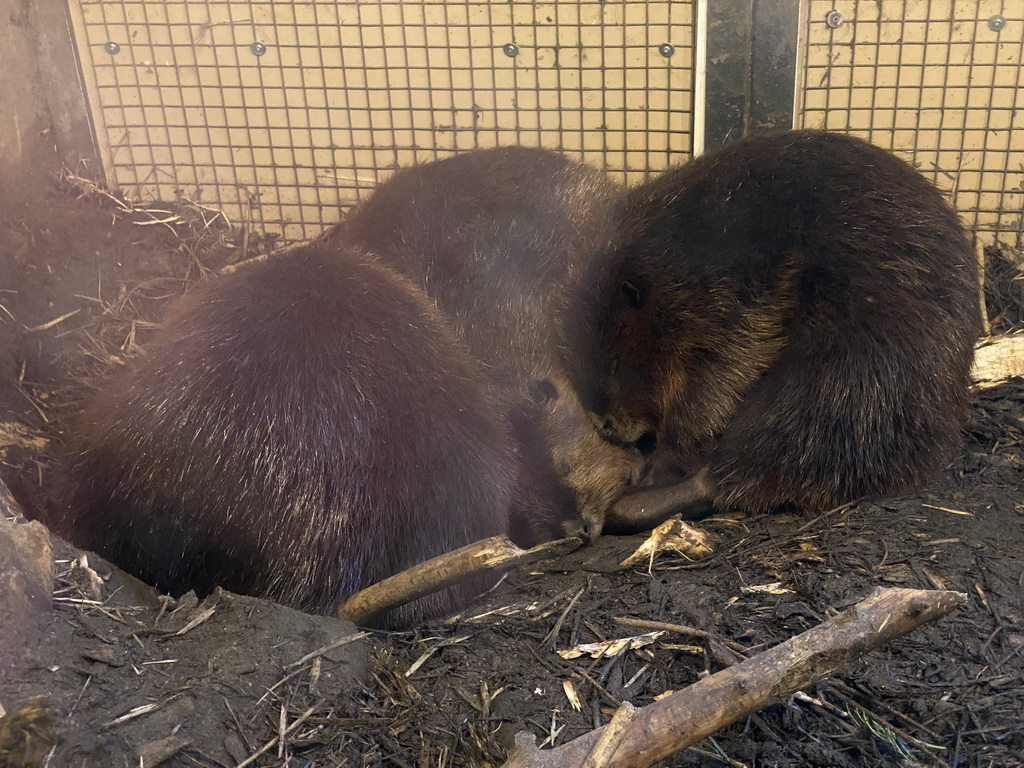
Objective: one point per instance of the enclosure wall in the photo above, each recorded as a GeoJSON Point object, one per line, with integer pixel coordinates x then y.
{"type": "Point", "coordinates": [939, 82]}
{"type": "Point", "coordinates": [285, 113]}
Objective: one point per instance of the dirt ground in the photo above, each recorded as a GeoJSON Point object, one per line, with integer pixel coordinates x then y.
{"type": "Point", "coordinates": [129, 678]}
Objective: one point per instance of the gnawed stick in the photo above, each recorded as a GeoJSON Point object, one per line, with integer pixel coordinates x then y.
{"type": "Point", "coordinates": [696, 712]}
{"type": "Point", "coordinates": [986, 329]}
{"type": "Point", "coordinates": [496, 552]}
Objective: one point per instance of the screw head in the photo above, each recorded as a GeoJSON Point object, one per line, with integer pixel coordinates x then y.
{"type": "Point", "coordinates": [997, 22]}
{"type": "Point", "coordinates": [511, 50]}
{"type": "Point", "coordinates": [666, 50]}
{"type": "Point", "coordinates": [258, 48]}
{"type": "Point", "coordinates": [111, 47]}
{"type": "Point", "coordinates": [834, 19]}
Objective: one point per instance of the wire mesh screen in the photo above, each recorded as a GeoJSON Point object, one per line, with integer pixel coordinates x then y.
{"type": "Point", "coordinates": [939, 82]}
{"type": "Point", "coordinates": [283, 113]}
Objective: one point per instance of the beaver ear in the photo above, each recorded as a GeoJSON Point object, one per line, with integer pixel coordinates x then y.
{"type": "Point", "coordinates": [632, 294]}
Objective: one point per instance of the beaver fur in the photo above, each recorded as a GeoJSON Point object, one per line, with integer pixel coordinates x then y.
{"type": "Point", "coordinates": [793, 323]}
{"type": "Point", "coordinates": [512, 244]}
{"type": "Point", "coordinates": [297, 430]}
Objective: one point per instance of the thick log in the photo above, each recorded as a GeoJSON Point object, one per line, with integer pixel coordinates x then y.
{"type": "Point", "coordinates": [696, 712]}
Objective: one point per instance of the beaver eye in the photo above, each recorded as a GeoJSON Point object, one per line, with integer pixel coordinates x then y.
{"type": "Point", "coordinates": [632, 294]}
{"type": "Point", "coordinates": [542, 391]}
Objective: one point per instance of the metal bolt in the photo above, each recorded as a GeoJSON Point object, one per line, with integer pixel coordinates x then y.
{"type": "Point", "coordinates": [511, 50]}
{"type": "Point", "coordinates": [834, 19]}
{"type": "Point", "coordinates": [996, 22]}
{"type": "Point", "coordinates": [111, 47]}
{"type": "Point", "coordinates": [258, 48]}
{"type": "Point", "coordinates": [666, 50]}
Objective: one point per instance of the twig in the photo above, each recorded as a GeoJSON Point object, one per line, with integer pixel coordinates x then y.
{"type": "Point", "coordinates": [270, 744]}
{"type": "Point", "coordinates": [241, 264]}
{"type": "Point", "coordinates": [814, 522]}
{"type": "Point", "coordinates": [238, 725]}
{"type": "Point", "coordinates": [131, 714]}
{"type": "Point", "coordinates": [678, 629]}
{"type": "Point", "coordinates": [246, 216]}
{"type": "Point", "coordinates": [986, 329]}
{"type": "Point", "coordinates": [873, 722]}
{"type": "Point", "coordinates": [55, 321]}
{"type": "Point", "coordinates": [947, 509]}
{"type": "Point", "coordinates": [81, 693]}
{"type": "Point", "coordinates": [196, 621]}
{"type": "Point", "coordinates": [725, 655]}
{"type": "Point", "coordinates": [279, 683]}
{"type": "Point", "coordinates": [34, 404]}
{"type": "Point", "coordinates": [329, 647]}
{"type": "Point", "coordinates": [282, 730]}
{"type": "Point", "coordinates": [552, 636]}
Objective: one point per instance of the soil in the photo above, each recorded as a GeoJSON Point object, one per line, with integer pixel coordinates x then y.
{"type": "Point", "coordinates": [949, 693]}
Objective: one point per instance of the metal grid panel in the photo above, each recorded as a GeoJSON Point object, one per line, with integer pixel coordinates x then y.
{"type": "Point", "coordinates": [933, 81]}
{"type": "Point", "coordinates": [345, 92]}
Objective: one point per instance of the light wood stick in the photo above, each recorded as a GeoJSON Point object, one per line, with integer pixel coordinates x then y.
{"type": "Point", "coordinates": [496, 552]}
{"type": "Point", "coordinates": [696, 712]}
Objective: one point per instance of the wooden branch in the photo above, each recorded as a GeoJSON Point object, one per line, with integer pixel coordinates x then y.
{"type": "Point", "coordinates": [986, 329]}
{"type": "Point", "coordinates": [696, 712]}
{"type": "Point", "coordinates": [997, 359]}
{"type": "Point", "coordinates": [496, 552]}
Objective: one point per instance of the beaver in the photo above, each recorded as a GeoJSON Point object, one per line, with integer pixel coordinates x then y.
{"type": "Point", "coordinates": [297, 430]}
{"type": "Point", "coordinates": [511, 243]}
{"type": "Point", "coordinates": [792, 325]}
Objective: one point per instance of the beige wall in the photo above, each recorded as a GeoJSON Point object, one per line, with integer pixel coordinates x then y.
{"type": "Point", "coordinates": [930, 80]}
{"type": "Point", "coordinates": [347, 91]}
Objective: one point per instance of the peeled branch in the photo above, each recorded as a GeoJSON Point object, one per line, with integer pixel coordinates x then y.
{"type": "Point", "coordinates": [694, 713]}
{"type": "Point", "coordinates": [497, 552]}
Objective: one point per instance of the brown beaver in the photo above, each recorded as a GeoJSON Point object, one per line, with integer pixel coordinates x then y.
{"type": "Point", "coordinates": [793, 322]}
{"type": "Point", "coordinates": [297, 430]}
{"type": "Point", "coordinates": [512, 244]}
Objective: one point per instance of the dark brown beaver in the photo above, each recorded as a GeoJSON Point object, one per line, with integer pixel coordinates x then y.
{"type": "Point", "coordinates": [510, 243]}
{"type": "Point", "coordinates": [794, 319]}
{"type": "Point", "coordinates": [297, 430]}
